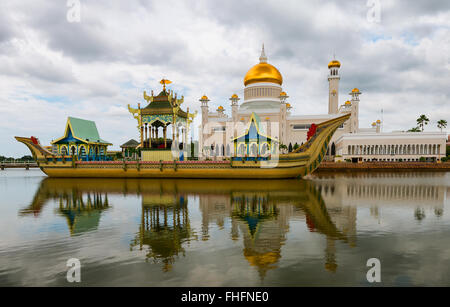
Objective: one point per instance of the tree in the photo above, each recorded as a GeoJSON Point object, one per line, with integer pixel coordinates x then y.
{"type": "Point", "coordinates": [442, 123]}
{"type": "Point", "coordinates": [415, 129]}
{"type": "Point", "coordinates": [422, 121]}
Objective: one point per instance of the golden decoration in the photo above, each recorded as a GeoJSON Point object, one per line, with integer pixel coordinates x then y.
{"type": "Point", "coordinates": [164, 82]}
{"type": "Point", "coordinates": [334, 63]}
{"type": "Point", "coordinates": [263, 72]}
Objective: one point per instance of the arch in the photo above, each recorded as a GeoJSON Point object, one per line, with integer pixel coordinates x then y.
{"type": "Point", "coordinates": [253, 150]}
{"type": "Point", "coordinates": [64, 151]}
{"type": "Point", "coordinates": [241, 150]}
{"type": "Point", "coordinates": [82, 150]}
{"type": "Point", "coordinates": [265, 151]}
{"type": "Point", "coordinates": [333, 149]}
{"type": "Point", "coordinates": [73, 150]}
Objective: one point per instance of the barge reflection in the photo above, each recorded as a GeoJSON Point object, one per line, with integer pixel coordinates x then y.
{"type": "Point", "coordinates": [258, 212]}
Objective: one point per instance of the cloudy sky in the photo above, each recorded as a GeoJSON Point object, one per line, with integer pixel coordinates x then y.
{"type": "Point", "coordinates": [51, 68]}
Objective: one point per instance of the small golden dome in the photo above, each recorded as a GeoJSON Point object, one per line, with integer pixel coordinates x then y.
{"type": "Point", "coordinates": [348, 102]}
{"type": "Point", "coordinates": [334, 63]}
{"type": "Point", "coordinates": [263, 72]}
{"type": "Point", "coordinates": [204, 97]}
{"type": "Point", "coordinates": [234, 96]}
{"type": "Point", "coordinates": [355, 90]}
{"type": "Point", "coordinates": [374, 124]}
{"type": "Point", "coordinates": [283, 94]}
{"type": "Point", "coordinates": [288, 105]}
{"type": "Point", "coordinates": [378, 121]}
{"type": "Point", "coordinates": [220, 108]}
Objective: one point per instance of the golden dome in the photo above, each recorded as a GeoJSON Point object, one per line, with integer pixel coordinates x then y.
{"type": "Point", "coordinates": [355, 90]}
{"type": "Point", "coordinates": [374, 124]}
{"type": "Point", "coordinates": [334, 63]}
{"type": "Point", "coordinates": [283, 94]}
{"type": "Point", "coordinates": [263, 72]}
{"type": "Point", "coordinates": [288, 105]}
{"type": "Point", "coordinates": [234, 96]}
{"type": "Point", "coordinates": [204, 97]}
{"type": "Point", "coordinates": [348, 102]}
{"type": "Point", "coordinates": [378, 121]}
{"type": "Point", "coordinates": [220, 108]}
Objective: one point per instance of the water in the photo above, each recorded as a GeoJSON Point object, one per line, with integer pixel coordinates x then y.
{"type": "Point", "coordinates": [319, 232]}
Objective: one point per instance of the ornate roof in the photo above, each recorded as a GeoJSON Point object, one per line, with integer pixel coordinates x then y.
{"type": "Point", "coordinates": [82, 130]}
{"type": "Point", "coordinates": [131, 143]}
{"type": "Point", "coordinates": [163, 103]}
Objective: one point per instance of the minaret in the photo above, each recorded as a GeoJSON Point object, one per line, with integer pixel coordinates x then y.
{"type": "Point", "coordinates": [354, 118]}
{"type": "Point", "coordinates": [283, 114]}
{"type": "Point", "coordinates": [234, 112]}
{"type": "Point", "coordinates": [333, 81]}
{"type": "Point", "coordinates": [205, 111]}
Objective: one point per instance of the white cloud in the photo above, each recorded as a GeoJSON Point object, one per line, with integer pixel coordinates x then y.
{"type": "Point", "coordinates": [51, 69]}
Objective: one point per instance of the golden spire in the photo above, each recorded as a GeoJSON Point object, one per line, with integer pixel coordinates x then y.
{"type": "Point", "coordinates": [164, 82]}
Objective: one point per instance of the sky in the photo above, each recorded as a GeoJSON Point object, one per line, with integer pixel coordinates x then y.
{"type": "Point", "coordinates": [56, 63]}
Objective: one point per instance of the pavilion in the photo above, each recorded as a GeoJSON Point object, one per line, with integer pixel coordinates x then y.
{"type": "Point", "coordinates": [81, 138]}
{"type": "Point", "coordinates": [253, 143]}
{"type": "Point", "coordinates": [162, 111]}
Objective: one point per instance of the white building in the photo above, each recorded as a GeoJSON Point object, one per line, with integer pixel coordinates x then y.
{"type": "Point", "coordinates": [392, 146]}
{"type": "Point", "coordinates": [264, 95]}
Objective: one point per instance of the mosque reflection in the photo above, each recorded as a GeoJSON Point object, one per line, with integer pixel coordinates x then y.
{"type": "Point", "coordinates": [258, 213]}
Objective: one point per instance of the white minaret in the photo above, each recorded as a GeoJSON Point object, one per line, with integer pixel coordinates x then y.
{"type": "Point", "coordinates": [354, 118]}
{"type": "Point", "coordinates": [283, 113]}
{"type": "Point", "coordinates": [234, 107]}
{"type": "Point", "coordinates": [333, 81]}
{"type": "Point", "coordinates": [204, 127]}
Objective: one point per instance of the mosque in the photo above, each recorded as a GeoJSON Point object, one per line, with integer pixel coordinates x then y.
{"type": "Point", "coordinates": [265, 97]}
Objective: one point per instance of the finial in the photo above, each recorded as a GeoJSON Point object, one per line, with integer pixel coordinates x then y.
{"type": "Point", "coordinates": [263, 58]}
{"type": "Point", "coordinates": [164, 82]}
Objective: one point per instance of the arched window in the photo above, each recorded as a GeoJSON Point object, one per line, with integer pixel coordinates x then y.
{"type": "Point", "coordinates": [82, 151]}
{"type": "Point", "coordinates": [254, 150]}
{"type": "Point", "coordinates": [64, 150]}
{"type": "Point", "coordinates": [241, 150]}
{"type": "Point", "coordinates": [73, 150]}
{"type": "Point", "coordinates": [264, 150]}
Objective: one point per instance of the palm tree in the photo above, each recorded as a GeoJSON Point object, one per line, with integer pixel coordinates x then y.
{"type": "Point", "coordinates": [415, 129]}
{"type": "Point", "coordinates": [442, 123]}
{"type": "Point", "coordinates": [422, 121]}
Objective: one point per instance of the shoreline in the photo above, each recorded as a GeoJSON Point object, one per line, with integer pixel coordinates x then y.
{"type": "Point", "coordinates": [383, 166]}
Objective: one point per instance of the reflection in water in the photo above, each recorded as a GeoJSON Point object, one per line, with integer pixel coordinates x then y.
{"type": "Point", "coordinates": [164, 227]}
{"type": "Point", "coordinates": [256, 213]}
{"type": "Point", "coordinates": [81, 208]}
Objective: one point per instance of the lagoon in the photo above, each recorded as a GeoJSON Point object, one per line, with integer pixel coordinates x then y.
{"type": "Point", "coordinates": [162, 232]}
